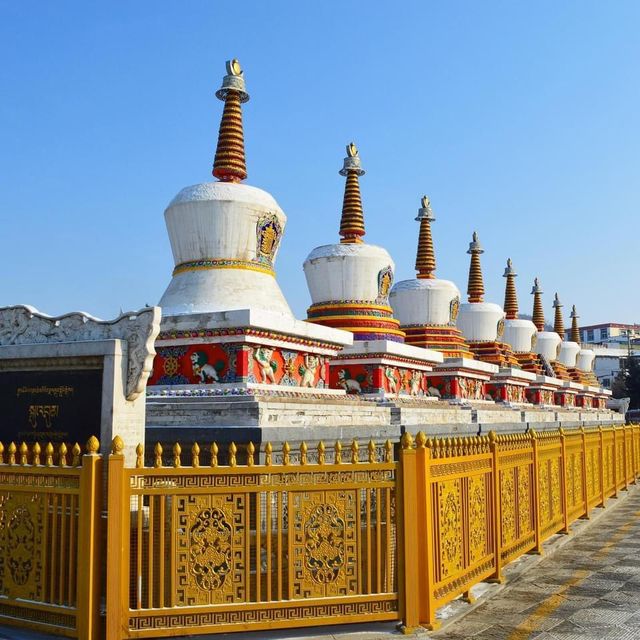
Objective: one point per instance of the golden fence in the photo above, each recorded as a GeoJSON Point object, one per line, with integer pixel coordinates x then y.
{"type": "Point", "coordinates": [49, 531]}
{"type": "Point", "coordinates": [197, 549]}
{"type": "Point", "coordinates": [268, 539]}
{"type": "Point", "coordinates": [481, 502]}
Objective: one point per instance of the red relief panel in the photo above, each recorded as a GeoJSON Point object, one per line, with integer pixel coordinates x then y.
{"type": "Point", "coordinates": [193, 364]}
{"type": "Point", "coordinates": [268, 365]}
{"type": "Point", "coordinates": [443, 387]}
{"type": "Point", "coordinates": [355, 379]}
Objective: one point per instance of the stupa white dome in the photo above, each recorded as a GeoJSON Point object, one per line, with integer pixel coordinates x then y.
{"type": "Point", "coordinates": [224, 238]}
{"type": "Point", "coordinates": [424, 301]}
{"type": "Point", "coordinates": [346, 272]}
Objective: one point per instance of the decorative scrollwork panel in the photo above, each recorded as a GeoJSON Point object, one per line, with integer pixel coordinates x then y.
{"type": "Point", "coordinates": [324, 543]}
{"type": "Point", "coordinates": [21, 535]}
{"type": "Point", "coordinates": [211, 549]}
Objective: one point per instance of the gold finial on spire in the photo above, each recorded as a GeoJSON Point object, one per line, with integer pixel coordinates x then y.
{"type": "Point", "coordinates": [538, 311]}
{"type": "Point", "coordinates": [425, 258]}
{"type": "Point", "coordinates": [510, 295]}
{"type": "Point", "coordinates": [352, 221]}
{"type": "Point", "coordinates": [475, 288]}
{"type": "Point", "coordinates": [558, 322]}
{"type": "Point", "coordinates": [229, 164]}
{"type": "Point", "coordinates": [575, 329]}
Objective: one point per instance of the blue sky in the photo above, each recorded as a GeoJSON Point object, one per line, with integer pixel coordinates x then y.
{"type": "Point", "coordinates": [520, 120]}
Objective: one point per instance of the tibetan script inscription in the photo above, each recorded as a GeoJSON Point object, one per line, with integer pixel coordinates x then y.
{"type": "Point", "coordinates": [50, 405]}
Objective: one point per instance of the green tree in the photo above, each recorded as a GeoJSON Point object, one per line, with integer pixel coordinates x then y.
{"type": "Point", "coordinates": [619, 384]}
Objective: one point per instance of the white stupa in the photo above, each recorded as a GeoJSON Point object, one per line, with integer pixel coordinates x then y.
{"type": "Point", "coordinates": [225, 321]}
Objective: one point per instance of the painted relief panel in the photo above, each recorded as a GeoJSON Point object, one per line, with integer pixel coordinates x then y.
{"type": "Point", "coordinates": [194, 364]}
{"type": "Point", "coordinates": [268, 365]}
{"type": "Point", "coordinates": [353, 379]}
{"type": "Point", "coordinates": [400, 381]}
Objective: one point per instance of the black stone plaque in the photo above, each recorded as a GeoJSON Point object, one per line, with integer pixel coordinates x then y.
{"type": "Point", "coordinates": [50, 405]}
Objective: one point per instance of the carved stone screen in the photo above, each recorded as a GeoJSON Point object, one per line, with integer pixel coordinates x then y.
{"type": "Point", "coordinates": [50, 405]}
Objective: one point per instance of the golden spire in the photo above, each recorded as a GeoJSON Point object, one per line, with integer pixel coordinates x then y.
{"type": "Point", "coordinates": [558, 322]}
{"type": "Point", "coordinates": [510, 295]}
{"type": "Point", "coordinates": [475, 288]}
{"type": "Point", "coordinates": [575, 330]}
{"type": "Point", "coordinates": [229, 164]}
{"type": "Point", "coordinates": [538, 311]}
{"type": "Point", "coordinates": [426, 258]}
{"type": "Point", "coordinates": [352, 222]}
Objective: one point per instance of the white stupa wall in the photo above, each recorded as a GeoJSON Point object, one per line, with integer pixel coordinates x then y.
{"type": "Point", "coordinates": [423, 301]}
{"type": "Point", "coordinates": [342, 272]}
{"type": "Point", "coordinates": [547, 345]}
{"type": "Point", "coordinates": [585, 360]}
{"type": "Point", "coordinates": [218, 221]}
{"type": "Point", "coordinates": [569, 353]}
{"type": "Point", "coordinates": [478, 321]}
{"type": "Point", "coordinates": [519, 333]}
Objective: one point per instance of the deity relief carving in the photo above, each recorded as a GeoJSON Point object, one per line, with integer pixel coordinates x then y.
{"type": "Point", "coordinates": [454, 309]}
{"type": "Point", "coordinates": [500, 328]}
{"type": "Point", "coordinates": [210, 555]}
{"type": "Point", "coordinates": [385, 282]}
{"type": "Point", "coordinates": [308, 371]}
{"type": "Point", "coordinates": [263, 356]}
{"type": "Point", "coordinates": [201, 367]}
{"type": "Point", "coordinates": [269, 232]}
{"type": "Point", "coordinates": [324, 543]}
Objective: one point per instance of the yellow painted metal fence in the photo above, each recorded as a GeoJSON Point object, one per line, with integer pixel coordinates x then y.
{"type": "Point", "coordinates": [50, 504]}
{"type": "Point", "coordinates": [481, 502]}
{"type": "Point", "coordinates": [197, 549]}
{"type": "Point", "coordinates": [293, 538]}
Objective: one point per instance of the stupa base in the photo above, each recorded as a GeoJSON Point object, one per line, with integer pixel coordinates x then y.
{"type": "Point", "coordinates": [543, 391]}
{"type": "Point", "coordinates": [530, 362]}
{"type": "Point", "coordinates": [498, 353]}
{"type": "Point", "coordinates": [383, 369]}
{"type": "Point", "coordinates": [560, 371]}
{"type": "Point", "coordinates": [510, 386]}
{"type": "Point", "coordinates": [592, 397]}
{"type": "Point", "coordinates": [567, 395]}
{"type": "Point", "coordinates": [244, 350]}
{"type": "Point", "coordinates": [447, 340]}
{"type": "Point", "coordinates": [461, 380]}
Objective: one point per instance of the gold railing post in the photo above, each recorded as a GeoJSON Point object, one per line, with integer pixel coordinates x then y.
{"type": "Point", "coordinates": [89, 540]}
{"type": "Point", "coordinates": [633, 452]}
{"type": "Point", "coordinates": [536, 495]}
{"type": "Point", "coordinates": [614, 463]}
{"type": "Point", "coordinates": [601, 464]}
{"type": "Point", "coordinates": [563, 483]}
{"type": "Point", "coordinates": [634, 431]}
{"type": "Point", "coordinates": [497, 511]}
{"type": "Point", "coordinates": [426, 534]}
{"type": "Point", "coordinates": [117, 543]}
{"type": "Point", "coordinates": [625, 462]}
{"type": "Point", "coordinates": [584, 474]}
{"type": "Point", "coordinates": [409, 541]}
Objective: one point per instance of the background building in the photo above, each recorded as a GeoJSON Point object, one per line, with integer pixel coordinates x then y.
{"type": "Point", "coordinates": [612, 343]}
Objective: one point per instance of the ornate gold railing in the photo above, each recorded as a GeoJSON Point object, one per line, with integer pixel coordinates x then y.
{"type": "Point", "coordinates": [481, 502]}
{"type": "Point", "coordinates": [253, 539]}
{"type": "Point", "coordinates": [195, 549]}
{"type": "Point", "coordinates": [49, 531]}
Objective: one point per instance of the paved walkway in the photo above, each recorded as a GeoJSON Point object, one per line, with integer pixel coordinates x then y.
{"type": "Point", "coordinates": [589, 589]}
